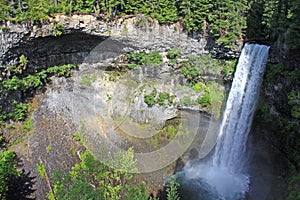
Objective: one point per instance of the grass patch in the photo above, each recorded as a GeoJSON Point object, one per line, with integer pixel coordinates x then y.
{"type": "Point", "coordinates": [19, 140]}
{"type": "Point", "coordinates": [49, 148]}
{"type": "Point", "coordinates": [41, 170]}
{"type": "Point", "coordinates": [187, 101]}
{"type": "Point", "coordinates": [120, 119]}
{"type": "Point", "coordinates": [88, 80]}
{"type": "Point", "coordinates": [217, 98]}
{"type": "Point", "coordinates": [28, 125]}
{"type": "Point", "coordinates": [79, 136]}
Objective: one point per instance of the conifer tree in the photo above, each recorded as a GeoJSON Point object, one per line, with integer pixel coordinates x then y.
{"type": "Point", "coordinates": [294, 30]}
{"type": "Point", "coordinates": [196, 13]}
{"type": "Point", "coordinates": [38, 9]}
{"type": "Point", "coordinates": [5, 9]}
{"type": "Point", "coordinates": [166, 11]}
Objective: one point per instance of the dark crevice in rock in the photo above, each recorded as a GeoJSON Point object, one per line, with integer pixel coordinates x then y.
{"type": "Point", "coordinates": [49, 51]}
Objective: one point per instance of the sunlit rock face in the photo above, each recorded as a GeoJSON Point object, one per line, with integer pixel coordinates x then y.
{"type": "Point", "coordinates": [80, 33]}
{"type": "Point", "coordinates": [69, 106]}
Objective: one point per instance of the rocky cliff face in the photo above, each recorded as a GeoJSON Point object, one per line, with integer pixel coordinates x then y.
{"type": "Point", "coordinates": [74, 36]}
{"type": "Point", "coordinates": [85, 39]}
{"type": "Point", "coordinates": [100, 100]}
{"type": "Point", "coordinates": [276, 126]}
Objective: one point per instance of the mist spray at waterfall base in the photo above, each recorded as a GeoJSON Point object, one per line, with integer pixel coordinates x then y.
{"type": "Point", "coordinates": [224, 174]}
{"type": "Point", "coordinates": [212, 182]}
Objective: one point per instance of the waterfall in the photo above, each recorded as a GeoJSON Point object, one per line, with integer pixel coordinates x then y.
{"type": "Point", "coordinates": [240, 107]}
{"type": "Point", "coordinates": [225, 173]}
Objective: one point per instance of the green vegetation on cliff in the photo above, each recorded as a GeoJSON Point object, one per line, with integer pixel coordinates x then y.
{"type": "Point", "coordinates": [17, 79]}
{"type": "Point", "coordinates": [7, 170]}
{"type": "Point", "coordinates": [278, 118]}
{"type": "Point", "coordinates": [142, 58]}
{"type": "Point", "coordinates": [275, 20]}
{"type": "Point", "coordinates": [227, 21]}
{"type": "Point", "coordinates": [93, 180]}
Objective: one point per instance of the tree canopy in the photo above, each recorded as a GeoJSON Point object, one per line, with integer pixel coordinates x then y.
{"type": "Point", "coordinates": [226, 20]}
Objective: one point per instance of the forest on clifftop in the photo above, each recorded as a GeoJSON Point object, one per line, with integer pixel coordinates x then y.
{"type": "Point", "coordinates": [225, 20]}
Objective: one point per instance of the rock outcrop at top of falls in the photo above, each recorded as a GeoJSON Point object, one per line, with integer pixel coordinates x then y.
{"type": "Point", "coordinates": [140, 31]}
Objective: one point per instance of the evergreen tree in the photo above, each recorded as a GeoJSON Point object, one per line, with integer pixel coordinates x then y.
{"type": "Point", "coordinates": [38, 9]}
{"type": "Point", "coordinates": [137, 6]}
{"type": "Point", "coordinates": [166, 11]}
{"type": "Point", "coordinates": [294, 30]}
{"type": "Point", "coordinates": [64, 6]}
{"type": "Point", "coordinates": [5, 9]}
{"type": "Point", "coordinates": [228, 21]}
{"type": "Point", "coordinates": [255, 26]}
{"type": "Point", "coordinates": [195, 13]}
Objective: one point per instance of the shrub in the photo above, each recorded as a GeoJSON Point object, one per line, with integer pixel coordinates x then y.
{"type": "Point", "coordinates": [91, 179]}
{"type": "Point", "coordinates": [229, 67]}
{"type": "Point", "coordinates": [63, 70]}
{"type": "Point", "coordinates": [205, 100]}
{"type": "Point", "coordinates": [162, 97]}
{"type": "Point", "coordinates": [28, 125]}
{"type": "Point", "coordinates": [132, 65]}
{"type": "Point", "coordinates": [3, 117]}
{"type": "Point", "coordinates": [142, 58]}
{"type": "Point", "coordinates": [23, 61]}
{"type": "Point", "coordinates": [11, 83]}
{"type": "Point", "coordinates": [172, 190]}
{"type": "Point", "coordinates": [139, 193]}
{"type": "Point", "coordinates": [19, 111]}
{"type": "Point", "coordinates": [174, 53]}
{"type": "Point", "coordinates": [190, 72]}
{"type": "Point", "coordinates": [58, 29]}
{"type": "Point", "coordinates": [41, 170]}
{"type": "Point", "coordinates": [198, 87]}
{"type": "Point", "coordinates": [31, 81]}
{"type": "Point", "coordinates": [150, 99]}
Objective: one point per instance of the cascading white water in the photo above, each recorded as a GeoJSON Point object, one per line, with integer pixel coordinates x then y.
{"type": "Point", "coordinates": [240, 107]}
{"type": "Point", "coordinates": [225, 172]}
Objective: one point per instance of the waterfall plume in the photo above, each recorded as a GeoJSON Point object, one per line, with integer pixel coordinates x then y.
{"type": "Point", "coordinates": [225, 173]}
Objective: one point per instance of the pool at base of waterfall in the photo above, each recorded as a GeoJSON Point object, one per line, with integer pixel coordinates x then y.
{"type": "Point", "coordinates": [208, 182]}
